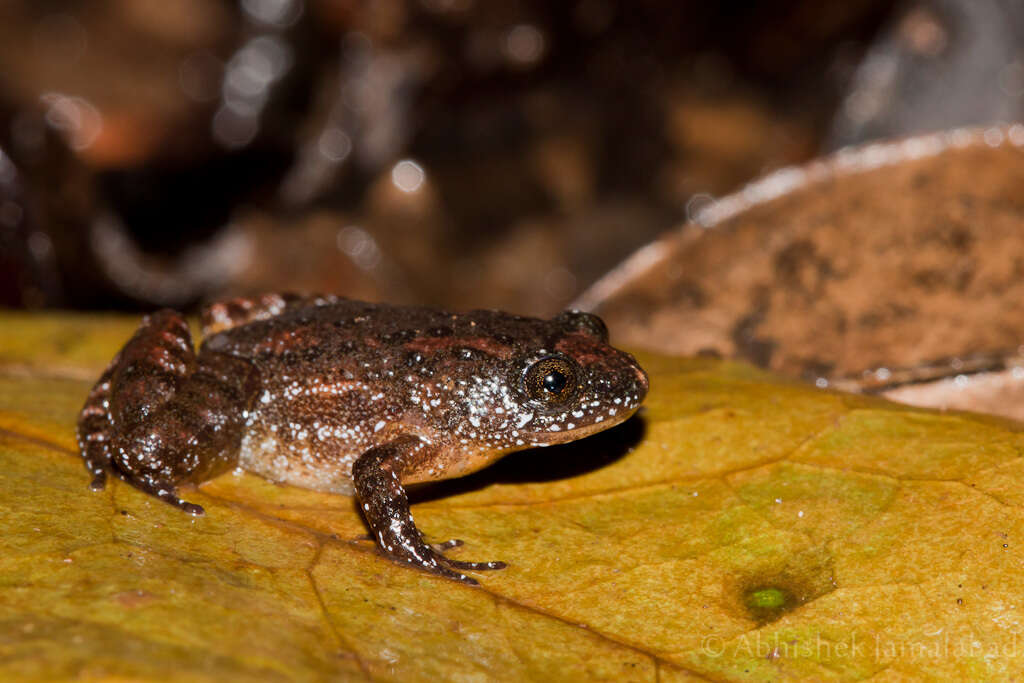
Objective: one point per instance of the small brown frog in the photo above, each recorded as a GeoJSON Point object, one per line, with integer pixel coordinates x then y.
{"type": "Point", "coordinates": [352, 397]}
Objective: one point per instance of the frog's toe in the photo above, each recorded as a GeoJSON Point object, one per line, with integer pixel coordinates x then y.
{"type": "Point", "coordinates": [448, 572]}
{"type": "Point", "coordinates": [447, 545]}
{"type": "Point", "coordinates": [474, 566]}
{"type": "Point", "coordinates": [99, 480]}
{"type": "Point", "coordinates": [438, 553]}
{"type": "Point", "coordinates": [191, 508]}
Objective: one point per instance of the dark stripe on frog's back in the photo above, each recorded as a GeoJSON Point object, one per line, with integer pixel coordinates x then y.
{"type": "Point", "coordinates": [366, 332]}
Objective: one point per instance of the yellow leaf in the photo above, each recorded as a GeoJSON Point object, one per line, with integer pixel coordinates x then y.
{"type": "Point", "coordinates": [744, 527]}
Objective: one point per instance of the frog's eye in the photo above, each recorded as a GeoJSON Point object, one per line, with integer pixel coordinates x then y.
{"type": "Point", "coordinates": [550, 380]}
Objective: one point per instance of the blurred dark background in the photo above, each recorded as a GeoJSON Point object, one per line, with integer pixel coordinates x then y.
{"type": "Point", "coordinates": [452, 152]}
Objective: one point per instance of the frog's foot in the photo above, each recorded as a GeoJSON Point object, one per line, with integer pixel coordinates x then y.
{"type": "Point", "coordinates": [411, 549]}
{"type": "Point", "coordinates": [165, 492]}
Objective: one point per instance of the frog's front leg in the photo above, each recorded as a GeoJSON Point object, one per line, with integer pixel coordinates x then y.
{"type": "Point", "coordinates": [377, 476]}
{"type": "Point", "coordinates": [161, 416]}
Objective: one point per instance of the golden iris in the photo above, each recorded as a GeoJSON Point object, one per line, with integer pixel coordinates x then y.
{"type": "Point", "coordinates": [550, 380]}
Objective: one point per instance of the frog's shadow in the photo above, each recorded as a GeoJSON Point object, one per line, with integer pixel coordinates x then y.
{"type": "Point", "coordinates": [537, 465]}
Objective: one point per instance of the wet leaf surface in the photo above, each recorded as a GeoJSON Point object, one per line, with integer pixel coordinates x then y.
{"type": "Point", "coordinates": [743, 527]}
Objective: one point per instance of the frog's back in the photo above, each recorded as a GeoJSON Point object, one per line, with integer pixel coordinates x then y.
{"type": "Point", "coordinates": [363, 335]}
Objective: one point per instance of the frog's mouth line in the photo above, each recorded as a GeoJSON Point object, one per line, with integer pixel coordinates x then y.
{"type": "Point", "coordinates": [547, 438]}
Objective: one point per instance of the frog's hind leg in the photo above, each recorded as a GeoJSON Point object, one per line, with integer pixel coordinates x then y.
{"type": "Point", "coordinates": [224, 315]}
{"type": "Point", "coordinates": [143, 375]}
{"type": "Point", "coordinates": [194, 435]}
{"type": "Point", "coordinates": [161, 416]}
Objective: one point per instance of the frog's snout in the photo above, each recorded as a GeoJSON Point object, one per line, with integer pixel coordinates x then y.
{"type": "Point", "coordinates": [643, 383]}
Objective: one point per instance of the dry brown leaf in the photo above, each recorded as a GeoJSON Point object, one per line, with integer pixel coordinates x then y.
{"type": "Point", "coordinates": [742, 528]}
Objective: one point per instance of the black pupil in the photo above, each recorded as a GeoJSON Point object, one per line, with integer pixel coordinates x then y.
{"type": "Point", "coordinates": [554, 382]}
